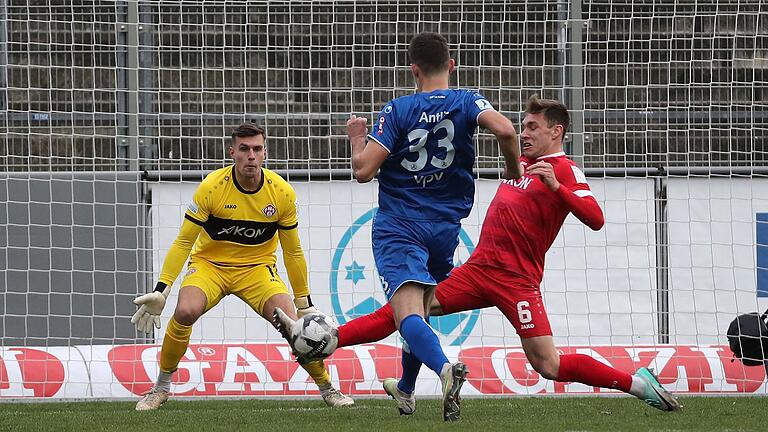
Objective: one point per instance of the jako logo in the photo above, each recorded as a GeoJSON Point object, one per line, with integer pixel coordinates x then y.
{"type": "Point", "coordinates": [356, 287]}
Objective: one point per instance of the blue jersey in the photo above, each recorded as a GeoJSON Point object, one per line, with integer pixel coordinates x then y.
{"type": "Point", "coordinates": [428, 173]}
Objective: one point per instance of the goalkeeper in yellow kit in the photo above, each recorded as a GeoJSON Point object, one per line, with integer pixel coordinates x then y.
{"type": "Point", "coordinates": [231, 228]}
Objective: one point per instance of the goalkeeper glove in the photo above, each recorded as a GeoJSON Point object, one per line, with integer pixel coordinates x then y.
{"type": "Point", "coordinates": [150, 307]}
{"type": "Point", "coordinates": [304, 306]}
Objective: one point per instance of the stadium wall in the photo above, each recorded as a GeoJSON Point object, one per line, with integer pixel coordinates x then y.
{"type": "Point", "coordinates": [599, 287]}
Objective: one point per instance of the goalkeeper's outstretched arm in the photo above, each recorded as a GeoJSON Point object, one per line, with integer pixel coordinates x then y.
{"type": "Point", "coordinates": [296, 266]}
{"type": "Point", "coordinates": [152, 304]}
{"type": "Point", "coordinates": [179, 252]}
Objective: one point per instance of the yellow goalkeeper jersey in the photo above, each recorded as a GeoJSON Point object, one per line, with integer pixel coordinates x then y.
{"type": "Point", "coordinates": [237, 228]}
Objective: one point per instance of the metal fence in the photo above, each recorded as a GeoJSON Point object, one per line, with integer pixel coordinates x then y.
{"type": "Point", "coordinates": [115, 85]}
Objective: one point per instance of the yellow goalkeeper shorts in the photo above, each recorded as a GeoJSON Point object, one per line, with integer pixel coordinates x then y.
{"type": "Point", "coordinates": [253, 284]}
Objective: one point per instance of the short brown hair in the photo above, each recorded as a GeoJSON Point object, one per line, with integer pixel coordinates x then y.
{"type": "Point", "coordinates": [429, 51]}
{"type": "Point", "coordinates": [554, 111]}
{"type": "Point", "coordinates": [248, 130]}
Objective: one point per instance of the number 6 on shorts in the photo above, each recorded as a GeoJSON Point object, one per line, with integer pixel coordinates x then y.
{"type": "Point", "coordinates": [523, 312]}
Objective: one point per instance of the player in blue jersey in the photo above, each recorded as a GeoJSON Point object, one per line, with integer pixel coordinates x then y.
{"type": "Point", "coordinates": [423, 150]}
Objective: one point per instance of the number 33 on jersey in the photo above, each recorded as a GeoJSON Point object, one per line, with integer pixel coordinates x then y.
{"type": "Point", "coordinates": [429, 137]}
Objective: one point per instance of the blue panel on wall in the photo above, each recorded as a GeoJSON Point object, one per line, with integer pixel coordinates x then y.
{"type": "Point", "coordinates": [761, 235]}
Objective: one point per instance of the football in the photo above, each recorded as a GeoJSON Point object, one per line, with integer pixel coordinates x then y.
{"type": "Point", "coordinates": [314, 337]}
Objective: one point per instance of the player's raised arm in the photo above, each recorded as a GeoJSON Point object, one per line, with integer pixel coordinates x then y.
{"type": "Point", "coordinates": [366, 159]}
{"type": "Point", "coordinates": [573, 189]}
{"type": "Point", "coordinates": [544, 127]}
{"type": "Point", "coordinates": [584, 206]}
{"type": "Point", "coordinates": [505, 133]}
{"type": "Point", "coordinates": [588, 211]}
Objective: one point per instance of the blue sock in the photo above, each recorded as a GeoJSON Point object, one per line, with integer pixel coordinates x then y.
{"type": "Point", "coordinates": [423, 342]}
{"type": "Point", "coordinates": [411, 366]}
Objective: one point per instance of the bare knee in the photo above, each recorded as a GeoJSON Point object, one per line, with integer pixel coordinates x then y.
{"type": "Point", "coordinates": [542, 355]}
{"type": "Point", "coordinates": [546, 367]}
{"type": "Point", "coordinates": [283, 301]}
{"type": "Point", "coordinates": [186, 314]}
{"type": "Point", "coordinates": [190, 306]}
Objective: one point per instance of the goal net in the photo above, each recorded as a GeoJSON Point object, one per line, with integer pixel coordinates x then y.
{"type": "Point", "coordinates": [113, 111]}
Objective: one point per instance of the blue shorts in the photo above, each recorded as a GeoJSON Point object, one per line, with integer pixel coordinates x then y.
{"type": "Point", "coordinates": [412, 251]}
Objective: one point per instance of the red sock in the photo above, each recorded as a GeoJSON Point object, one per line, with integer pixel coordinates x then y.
{"type": "Point", "coordinates": [584, 369]}
{"type": "Point", "coordinates": [368, 328]}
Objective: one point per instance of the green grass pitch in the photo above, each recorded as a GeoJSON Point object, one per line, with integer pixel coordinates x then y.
{"type": "Point", "coordinates": [525, 414]}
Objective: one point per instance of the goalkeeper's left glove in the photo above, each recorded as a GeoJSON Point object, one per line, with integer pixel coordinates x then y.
{"type": "Point", "coordinates": [304, 306]}
{"type": "Point", "coordinates": [150, 307]}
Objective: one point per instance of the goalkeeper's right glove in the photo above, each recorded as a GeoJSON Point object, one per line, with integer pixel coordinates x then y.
{"type": "Point", "coordinates": [304, 306]}
{"type": "Point", "coordinates": [151, 306]}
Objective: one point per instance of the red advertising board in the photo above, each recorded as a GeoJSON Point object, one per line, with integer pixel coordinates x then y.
{"type": "Point", "coordinates": [268, 370]}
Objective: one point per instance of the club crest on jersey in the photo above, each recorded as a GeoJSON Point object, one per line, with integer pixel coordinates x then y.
{"type": "Point", "coordinates": [269, 210]}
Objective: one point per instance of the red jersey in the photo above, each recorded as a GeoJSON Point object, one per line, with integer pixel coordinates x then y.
{"type": "Point", "coordinates": [525, 217]}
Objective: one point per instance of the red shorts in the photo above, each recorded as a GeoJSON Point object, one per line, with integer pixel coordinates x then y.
{"type": "Point", "coordinates": [475, 286]}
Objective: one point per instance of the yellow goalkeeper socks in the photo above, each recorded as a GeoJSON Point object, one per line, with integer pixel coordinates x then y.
{"type": "Point", "coordinates": [177, 339]}
{"type": "Point", "coordinates": [174, 345]}
{"type": "Point", "coordinates": [318, 372]}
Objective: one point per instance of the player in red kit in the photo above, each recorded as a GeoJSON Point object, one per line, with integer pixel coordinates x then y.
{"type": "Point", "coordinates": [507, 266]}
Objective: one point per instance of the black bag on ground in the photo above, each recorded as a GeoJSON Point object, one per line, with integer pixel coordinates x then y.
{"type": "Point", "coordinates": [748, 338]}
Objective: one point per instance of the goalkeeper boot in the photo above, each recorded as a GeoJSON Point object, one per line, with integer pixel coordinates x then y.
{"type": "Point", "coordinates": [335, 398]}
{"type": "Point", "coordinates": [452, 378]}
{"type": "Point", "coordinates": [283, 323]}
{"type": "Point", "coordinates": [656, 395]}
{"type": "Point", "coordinates": [406, 403]}
{"type": "Point", "coordinates": [152, 400]}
